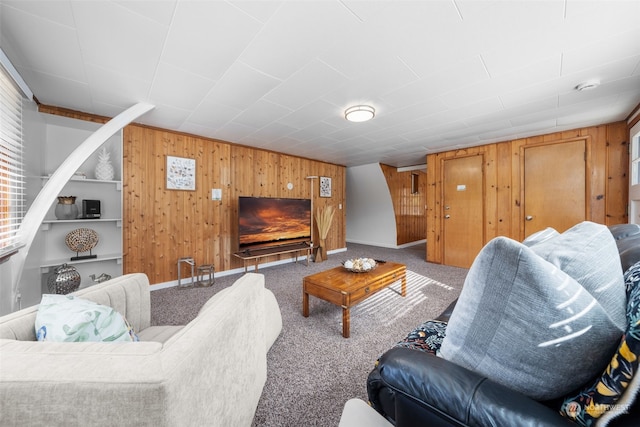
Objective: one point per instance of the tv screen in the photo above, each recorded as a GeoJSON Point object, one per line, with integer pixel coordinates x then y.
{"type": "Point", "coordinates": [270, 221]}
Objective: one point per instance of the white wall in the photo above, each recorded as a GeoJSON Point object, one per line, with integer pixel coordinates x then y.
{"type": "Point", "coordinates": [370, 216]}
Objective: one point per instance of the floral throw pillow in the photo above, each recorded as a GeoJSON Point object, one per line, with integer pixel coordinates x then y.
{"type": "Point", "coordinates": [426, 337]}
{"type": "Point", "coordinates": [66, 318]}
{"type": "Point", "coordinates": [604, 397]}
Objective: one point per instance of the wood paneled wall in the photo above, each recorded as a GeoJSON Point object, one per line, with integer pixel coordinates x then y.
{"type": "Point", "coordinates": [161, 226]}
{"type": "Point", "coordinates": [409, 208]}
{"type": "Point", "coordinates": [608, 186]}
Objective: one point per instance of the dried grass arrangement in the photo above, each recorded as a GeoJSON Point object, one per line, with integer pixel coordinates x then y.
{"type": "Point", "coordinates": [324, 217]}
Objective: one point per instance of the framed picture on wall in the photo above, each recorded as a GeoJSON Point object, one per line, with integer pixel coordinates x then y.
{"type": "Point", "coordinates": [181, 173]}
{"type": "Point", "coordinates": [325, 186]}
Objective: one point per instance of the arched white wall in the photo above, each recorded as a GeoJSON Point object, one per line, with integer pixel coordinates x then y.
{"type": "Point", "coordinates": [370, 216]}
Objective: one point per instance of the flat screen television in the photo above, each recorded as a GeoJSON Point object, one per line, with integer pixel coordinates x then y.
{"type": "Point", "coordinates": [273, 221]}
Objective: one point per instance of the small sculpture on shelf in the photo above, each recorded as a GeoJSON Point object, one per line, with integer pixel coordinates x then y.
{"type": "Point", "coordinates": [65, 279]}
{"type": "Point", "coordinates": [103, 277]}
{"type": "Point", "coordinates": [104, 168]}
{"type": "Point", "coordinates": [82, 240]}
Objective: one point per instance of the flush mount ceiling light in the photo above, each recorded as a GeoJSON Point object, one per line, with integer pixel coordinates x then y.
{"type": "Point", "coordinates": [591, 84]}
{"type": "Point", "coordinates": [359, 113]}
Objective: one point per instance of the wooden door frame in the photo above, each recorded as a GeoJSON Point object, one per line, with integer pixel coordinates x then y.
{"type": "Point", "coordinates": [442, 198]}
{"type": "Point", "coordinates": [587, 176]}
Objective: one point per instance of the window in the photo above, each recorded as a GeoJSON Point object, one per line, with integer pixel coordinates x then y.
{"type": "Point", "coordinates": [12, 180]}
{"type": "Point", "coordinates": [415, 185]}
{"type": "Point", "coordinates": [635, 159]}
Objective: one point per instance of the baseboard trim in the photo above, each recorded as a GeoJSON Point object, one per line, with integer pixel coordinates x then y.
{"type": "Point", "coordinates": [381, 245]}
{"type": "Point", "coordinates": [250, 268]}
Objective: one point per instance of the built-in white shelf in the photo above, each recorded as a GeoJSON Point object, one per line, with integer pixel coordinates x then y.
{"type": "Point", "coordinates": [63, 135]}
{"type": "Point", "coordinates": [46, 268]}
{"type": "Point", "coordinates": [46, 224]}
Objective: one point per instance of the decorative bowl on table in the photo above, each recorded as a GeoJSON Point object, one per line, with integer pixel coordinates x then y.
{"type": "Point", "coordinates": [360, 265]}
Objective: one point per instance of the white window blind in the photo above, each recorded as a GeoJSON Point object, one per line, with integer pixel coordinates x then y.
{"type": "Point", "coordinates": [12, 183]}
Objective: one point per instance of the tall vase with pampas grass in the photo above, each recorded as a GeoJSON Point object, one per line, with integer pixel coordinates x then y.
{"type": "Point", "coordinates": [324, 216]}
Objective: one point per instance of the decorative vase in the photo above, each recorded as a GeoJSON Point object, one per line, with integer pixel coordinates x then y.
{"type": "Point", "coordinates": [65, 279]}
{"type": "Point", "coordinates": [66, 208]}
{"type": "Point", "coordinates": [104, 168]}
{"type": "Point", "coordinates": [321, 254]}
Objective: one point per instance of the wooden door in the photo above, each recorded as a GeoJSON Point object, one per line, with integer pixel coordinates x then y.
{"type": "Point", "coordinates": [555, 186]}
{"type": "Point", "coordinates": [463, 210]}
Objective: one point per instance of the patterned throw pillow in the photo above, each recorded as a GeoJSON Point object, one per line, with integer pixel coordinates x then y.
{"type": "Point", "coordinates": [426, 337]}
{"type": "Point", "coordinates": [66, 318]}
{"type": "Point", "coordinates": [603, 397]}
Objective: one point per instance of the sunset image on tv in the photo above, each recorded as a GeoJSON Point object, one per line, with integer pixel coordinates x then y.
{"type": "Point", "coordinates": [265, 221]}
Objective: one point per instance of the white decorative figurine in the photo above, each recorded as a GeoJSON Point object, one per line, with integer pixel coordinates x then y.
{"type": "Point", "coordinates": [104, 168]}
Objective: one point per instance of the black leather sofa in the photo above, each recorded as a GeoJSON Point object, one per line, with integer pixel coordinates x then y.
{"type": "Point", "coordinates": [416, 388]}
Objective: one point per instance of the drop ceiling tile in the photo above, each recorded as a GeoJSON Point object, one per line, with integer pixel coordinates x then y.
{"type": "Point", "coordinates": [160, 11]}
{"type": "Point", "coordinates": [178, 87]}
{"type": "Point", "coordinates": [60, 92]}
{"type": "Point", "coordinates": [313, 131]}
{"type": "Point", "coordinates": [54, 11]}
{"type": "Point", "coordinates": [464, 73]}
{"type": "Point", "coordinates": [232, 88]}
{"type": "Point", "coordinates": [307, 85]}
{"type": "Point", "coordinates": [116, 88]}
{"type": "Point", "coordinates": [310, 114]}
{"type": "Point", "coordinates": [259, 10]}
{"type": "Point", "coordinates": [234, 132]}
{"type": "Point", "coordinates": [297, 33]}
{"type": "Point", "coordinates": [514, 80]}
{"type": "Point", "coordinates": [42, 53]}
{"type": "Point", "coordinates": [213, 115]}
{"type": "Point", "coordinates": [272, 132]}
{"type": "Point", "coordinates": [165, 116]}
{"type": "Point", "coordinates": [261, 114]}
{"type": "Point", "coordinates": [608, 49]}
{"type": "Point", "coordinates": [208, 36]}
{"type": "Point", "coordinates": [134, 48]}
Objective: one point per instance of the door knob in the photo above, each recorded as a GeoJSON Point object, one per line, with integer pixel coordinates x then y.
{"type": "Point", "coordinates": [447, 216]}
{"type": "Point", "coordinates": [528, 217]}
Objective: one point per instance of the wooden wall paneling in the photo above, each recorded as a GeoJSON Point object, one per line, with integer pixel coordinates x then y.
{"type": "Point", "coordinates": [617, 185]}
{"type": "Point", "coordinates": [241, 177]}
{"type": "Point", "coordinates": [607, 166]}
{"type": "Point", "coordinates": [326, 170]}
{"type": "Point", "coordinates": [434, 200]}
{"type": "Point", "coordinates": [161, 225]}
{"type": "Point", "coordinates": [226, 218]}
{"type": "Point", "coordinates": [490, 205]}
{"type": "Point", "coordinates": [515, 209]}
{"type": "Point", "coordinates": [597, 169]}
{"type": "Point", "coordinates": [409, 209]}
{"type": "Point", "coordinates": [341, 174]}
{"type": "Point", "coordinates": [504, 197]}
{"type": "Point", "coordinates": [290, 173]}
{"type": "Point", "coordinates": [265, 168]}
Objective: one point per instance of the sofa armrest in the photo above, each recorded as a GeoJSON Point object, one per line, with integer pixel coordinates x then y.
{"type": "Point", "coordinates": [446, 314]}
{"type": "Point", "coordinates": [412, 387]}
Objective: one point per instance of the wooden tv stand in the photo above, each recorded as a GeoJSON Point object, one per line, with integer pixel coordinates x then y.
{"type": "Point", "coordinates": [256, 254]}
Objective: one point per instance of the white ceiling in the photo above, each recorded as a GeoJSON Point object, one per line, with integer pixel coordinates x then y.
{"type": "Point", "coordinates": [278, 75]}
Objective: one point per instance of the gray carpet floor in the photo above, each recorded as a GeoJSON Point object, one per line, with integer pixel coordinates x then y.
{"type": "Point", "coordinates": [312, 369]}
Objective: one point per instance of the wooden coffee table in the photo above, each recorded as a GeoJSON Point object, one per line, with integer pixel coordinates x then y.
{"type": "Point", "coordinates": [342, 287]}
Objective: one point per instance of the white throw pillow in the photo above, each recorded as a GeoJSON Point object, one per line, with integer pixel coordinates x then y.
{"type": "Point", "coordinates": [66, 318]}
